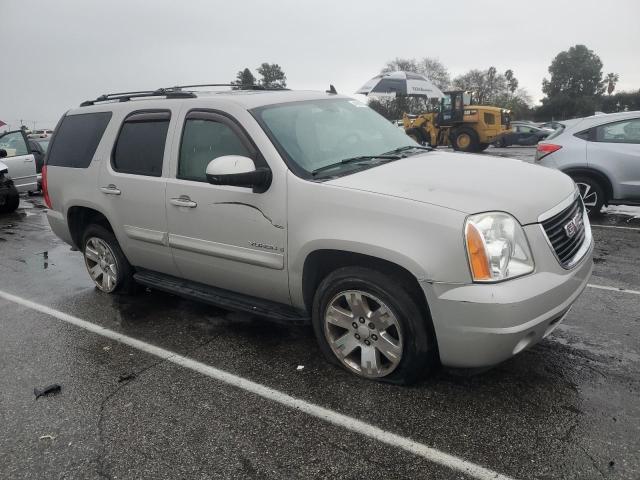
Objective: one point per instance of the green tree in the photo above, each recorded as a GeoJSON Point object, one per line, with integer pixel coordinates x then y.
{"type": "Point", "coordinates": [576, 72]}
{"type": "Point", "coordinates": [245, 77]}
{"type": "Point", "coordinates": [272, 76]}
{"type": "Point", "coordinates": [621, 102]}
{"type": "Point", "coordinates": [611, 80]}
{"type": "Point", "coordinates": [575, 86]}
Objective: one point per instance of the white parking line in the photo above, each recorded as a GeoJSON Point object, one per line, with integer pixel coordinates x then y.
{"type": "Point", "coordinates": [615, 226]}
{"type": "Point", "coordinates": [431, 454]}
{"type": "Point", "coordinates": [614, 289]}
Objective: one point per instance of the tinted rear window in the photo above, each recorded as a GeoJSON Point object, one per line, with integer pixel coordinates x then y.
{"type": "Point", "coordinates": [76, 139]}
{"type": "Point", "coordinates": [140, 145]}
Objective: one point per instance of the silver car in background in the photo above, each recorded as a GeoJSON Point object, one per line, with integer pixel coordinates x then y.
{"type": "Point", "coordinates": [602, 155]}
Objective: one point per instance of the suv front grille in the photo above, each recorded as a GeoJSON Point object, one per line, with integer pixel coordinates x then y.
{"type": "Point", "coordinates": [566, 232]}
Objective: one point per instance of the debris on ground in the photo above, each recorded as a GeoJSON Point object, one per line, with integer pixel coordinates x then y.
{"type": "Point", "coordinates": [48, 390]}
{"type": "Point", "coordinates": [126, 377]}
{"type": "Point", "coordinates": [611, 464]}
{"type": "Point", "coordinates": [46, 437]}
{"type": "Point", "coordinates": [107, 348]}
{"type": "Point", "coordinates": [300, 367]}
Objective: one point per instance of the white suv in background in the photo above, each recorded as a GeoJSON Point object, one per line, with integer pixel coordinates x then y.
{"type": "Point", "coordinates": [311, 206]}
{"type": "Point", "coordinates": [602, 155]}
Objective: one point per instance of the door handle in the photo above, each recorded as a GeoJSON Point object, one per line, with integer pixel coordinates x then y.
{"type": "Point", "coordinates": [183, 201]}
{"type": "Point", "coordinates": [110, 190]}
{"type": "Point", "coordinates": [27, 160]}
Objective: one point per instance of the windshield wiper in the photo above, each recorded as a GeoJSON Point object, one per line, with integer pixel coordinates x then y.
{"type": "Point", "coordinates": [408, 147]}
{"type": "Point", "coordinates": [361, 158]}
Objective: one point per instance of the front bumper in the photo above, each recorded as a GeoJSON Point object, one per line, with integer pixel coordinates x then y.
{"type": "Point", "coordinates": [479, 325]}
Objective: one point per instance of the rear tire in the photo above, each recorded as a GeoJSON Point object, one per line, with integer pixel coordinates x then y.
{"type": "Point", "coordinates": [591, 192]}
{"type": "Point", "coordinates": [11, 201]}
{"type": "Point", "coordinates": [465, 139]}
{"type": "Point", "coordinates": [109, 269]}
{"type": "Point", "coordinates": [366, 322]}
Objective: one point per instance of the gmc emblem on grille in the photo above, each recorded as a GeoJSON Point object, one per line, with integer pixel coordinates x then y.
{"type": "Point", "coordinates": [573, 226]}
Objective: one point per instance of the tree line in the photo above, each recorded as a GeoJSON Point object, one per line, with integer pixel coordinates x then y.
{"type": "Point", "coordinates": [576, 87]}
{"type": "Point", "coordinates": [271, 76]}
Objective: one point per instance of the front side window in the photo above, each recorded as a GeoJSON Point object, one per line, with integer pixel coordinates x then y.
{"type": "Point", "coordinates": [76, 139]}
{"type": "Point", "coordinates": [140, 145]}
{"type": "Point", "coordinates": [14, 144]}
{"type": "Point", "coordinates": [627, 131]}
{"type": "Point", "coordinates": [202, 141]}
{"type": "Point", "coordinates": [316, 134]}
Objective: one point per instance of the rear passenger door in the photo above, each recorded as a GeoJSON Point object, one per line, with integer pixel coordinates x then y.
{"type": "Point", "coordinates": [132, 187]}
{"type": "Point", "coordinates": [19, 160]}
{"type": "Point", "coordinates": [615, 149]}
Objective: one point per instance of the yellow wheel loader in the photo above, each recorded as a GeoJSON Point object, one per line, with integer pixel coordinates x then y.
{"type": "Point", "coordinates": [459, 123]}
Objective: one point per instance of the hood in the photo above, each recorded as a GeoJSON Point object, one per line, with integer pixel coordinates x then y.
{"type": "Point", "coordinates": [468, 183]}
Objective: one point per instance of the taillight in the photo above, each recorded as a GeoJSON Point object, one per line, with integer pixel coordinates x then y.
{"type": "Point", "coordinates": [45, 190]}
{"type": "Point", "coordinates": [544, 149]}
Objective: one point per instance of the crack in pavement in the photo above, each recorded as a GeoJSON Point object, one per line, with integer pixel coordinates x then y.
{"type": "Point", "coordinates": [593, 460]}
{"type": "Point", "coordinates": [101, 467]}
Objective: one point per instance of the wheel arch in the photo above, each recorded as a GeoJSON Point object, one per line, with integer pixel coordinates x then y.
{"type": "Point", "coordinates": [597, 175]}
{"type": "Point", "coordinates": [79, 217]}
{"type": "Point", "coordinates": [321, 262]}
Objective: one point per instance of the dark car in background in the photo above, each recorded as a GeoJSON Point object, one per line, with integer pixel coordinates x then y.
{"type": "Point", "coordinates": [523, 134]}
{"type": "Point", "coordinates": [38, 147]}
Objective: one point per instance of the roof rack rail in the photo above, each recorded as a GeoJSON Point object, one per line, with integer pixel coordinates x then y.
{"type": "Point", "coordinates": [170, 92]}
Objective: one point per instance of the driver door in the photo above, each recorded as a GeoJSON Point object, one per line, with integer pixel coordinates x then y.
{"type": "Point", "coordinates": [227, 237]}
{"type": "Point", "coordinates": [19, 160]}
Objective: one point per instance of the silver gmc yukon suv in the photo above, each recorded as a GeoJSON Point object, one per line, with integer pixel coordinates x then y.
{"type": "Point", "coordinates": [310, 206]}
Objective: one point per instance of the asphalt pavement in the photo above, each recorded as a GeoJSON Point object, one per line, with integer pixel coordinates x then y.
{"type": "Point", "coordinates": [154, 386]}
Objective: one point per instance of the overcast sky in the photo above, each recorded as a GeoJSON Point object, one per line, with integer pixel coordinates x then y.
{"type": "Point", "coordinates": [57, 53]}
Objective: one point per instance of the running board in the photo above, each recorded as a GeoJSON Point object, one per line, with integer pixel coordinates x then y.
{"type": "Point", "coordinates": [219, 297]}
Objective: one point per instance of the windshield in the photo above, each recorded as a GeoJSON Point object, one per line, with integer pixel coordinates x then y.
{"type": "Point", "coordinates": [317, 133]}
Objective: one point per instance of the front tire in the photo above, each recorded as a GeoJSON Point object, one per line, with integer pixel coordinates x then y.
{"type": "Point", "coordinates": [592, 194]}
{"type": "Point", "coordinates": [11, 201]}
{"type": "Point", "coordinates": [109, 269]}
{"type": "Point", "coordinates": [465, 140]}
{"type": "Point", "coordinates": [370, 325]}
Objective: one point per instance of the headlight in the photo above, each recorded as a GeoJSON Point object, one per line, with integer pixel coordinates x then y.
{"type": "Point", "coordinates": [497, 248]}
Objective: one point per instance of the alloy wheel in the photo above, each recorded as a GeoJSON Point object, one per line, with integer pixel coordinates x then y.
{"type": "Point", "coordinates": [589, 195]}
{"type": "Point", "coordinates": [363, 333]}
{"type": "Point", "coordinates": [101, 264]}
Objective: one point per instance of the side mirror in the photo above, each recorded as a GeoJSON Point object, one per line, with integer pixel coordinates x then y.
{"type": "Point", "coordinates": [238, 171]}
{"type": "Point", "coordinates": [3, 153]}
